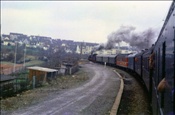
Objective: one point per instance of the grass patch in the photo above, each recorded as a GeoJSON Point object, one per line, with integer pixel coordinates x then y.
{"type": "Point", "coordinates": [6, 62]}
{"type": "Point", "coordinates": [31, 57]}
{"type": "Point", "coordinates": [30, 63]}
{"type": "Point", "coordinates": [34, 62]}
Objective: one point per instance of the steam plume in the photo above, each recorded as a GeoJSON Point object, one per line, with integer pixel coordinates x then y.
{"type": "Point", "coordinates": [136, 40]}
{"type": "Point", "coordinates": [140, 40]}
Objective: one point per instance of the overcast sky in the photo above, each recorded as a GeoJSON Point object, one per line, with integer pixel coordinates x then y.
{"type": "Point", "coordinates": [89, 21]}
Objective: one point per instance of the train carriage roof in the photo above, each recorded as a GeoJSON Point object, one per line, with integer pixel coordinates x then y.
{"type": "Point", "coordinates": [140, 53]}
{"type": "Point", "coordinates": [148, 52]}
{"type": "Point", "coordinates": [132, 55]}
{"type": "Point", "coordinates": [122, 55]}
{"type": "Point", "coordinates": [112, 56]}
{"type": "Point", "coordinates": [106, 55]}
{"type": "Point", "coordinates": [98, 55]}
{"type": "Point", "coordinates": [171, 9]}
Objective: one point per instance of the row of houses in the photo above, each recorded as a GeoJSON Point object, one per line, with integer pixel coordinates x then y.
{"type": "Point", "coordinates": [44, 42]}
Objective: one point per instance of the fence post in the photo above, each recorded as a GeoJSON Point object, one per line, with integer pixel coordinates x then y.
{"type": "Point", "coordinates": [16, 85]}
{"type": "Point", "coordinates": [70, 70]}
{"type": "Point", "coordinates": [33, 82]}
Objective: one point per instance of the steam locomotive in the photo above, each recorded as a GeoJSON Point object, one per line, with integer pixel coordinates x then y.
{"type": "Point", "coordinates": [154, 66]}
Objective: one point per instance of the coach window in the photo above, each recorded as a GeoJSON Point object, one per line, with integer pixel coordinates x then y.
{"type": "Point", "coordinates": [163, 72]}
{"type": "Point", "coordinates": [155, 64]}
{"type": "Point", "coordinates": [158, 64]}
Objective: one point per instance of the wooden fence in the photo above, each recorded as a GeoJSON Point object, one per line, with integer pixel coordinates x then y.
{"type": "Point", "coordinates": [17, 86]}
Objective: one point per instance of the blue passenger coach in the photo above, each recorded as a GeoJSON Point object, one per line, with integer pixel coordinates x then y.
{"type": "Point", "coordinates": [164, 66]}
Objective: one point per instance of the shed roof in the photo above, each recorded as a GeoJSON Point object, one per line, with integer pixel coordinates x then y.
{"type": "Point", "coordinates": [42, 69]}
{"type": "Point", "coordinates": [6, 78]}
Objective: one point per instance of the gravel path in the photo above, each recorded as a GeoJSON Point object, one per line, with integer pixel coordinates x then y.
{"type": "Point", "coordinates": [134, 99]}
{"type": "Point", "coordinates": [95, 97]}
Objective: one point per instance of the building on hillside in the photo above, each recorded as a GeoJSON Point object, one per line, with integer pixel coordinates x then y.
{"type": "Point", "coordinates": [84, 48]}
{"type": "Point", "coordinates": [78, 49]}
{"type": "Point", "coordinates": [5, 37]}
{"type": "Point", "coordinates": [16, 36]}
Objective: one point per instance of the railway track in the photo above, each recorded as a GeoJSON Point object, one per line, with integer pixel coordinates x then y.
{"type": "Point", "coordinates": [134, 99]}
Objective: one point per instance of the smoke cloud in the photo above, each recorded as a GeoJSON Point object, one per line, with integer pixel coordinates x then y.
{"type": "Point", "coordinates": [98, 47]}
{"type": "Point", "coordinates": [123, 34]}
{"type": "Point", "coordinates": [138, 40]}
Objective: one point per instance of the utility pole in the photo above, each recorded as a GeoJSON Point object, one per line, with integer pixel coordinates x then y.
{"type": "Point", "coordinates": [15, 57]}
{"type": "Point", "coordinates": [24, 54]}
{"type": "Point", "coordinates": [81, 50]}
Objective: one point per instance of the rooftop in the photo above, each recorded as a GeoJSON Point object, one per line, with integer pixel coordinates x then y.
{"type": "Point", "coordinates": [42, 69]}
